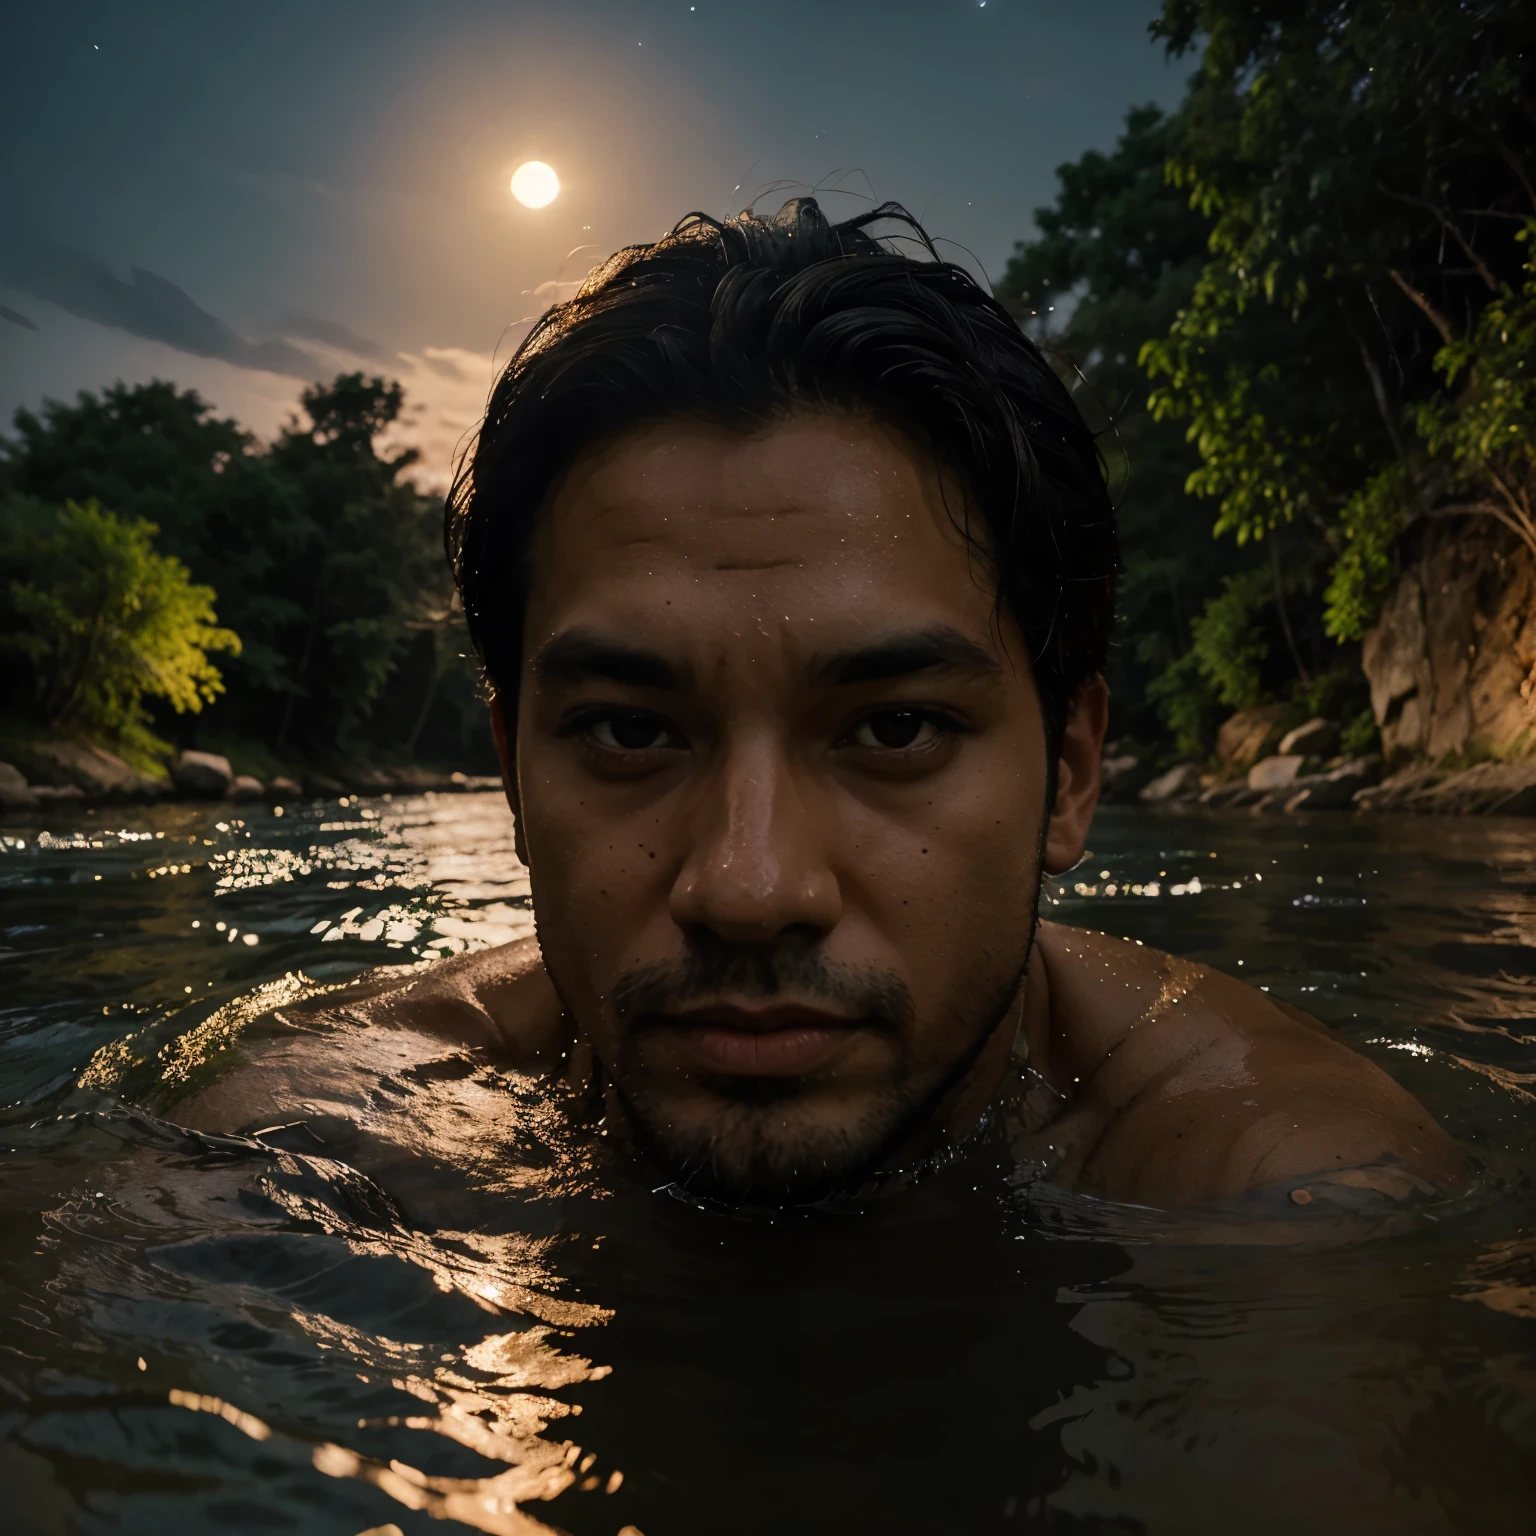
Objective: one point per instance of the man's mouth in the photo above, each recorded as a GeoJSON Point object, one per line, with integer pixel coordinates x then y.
{"type": "Point", "coordinates": [786, 1040]}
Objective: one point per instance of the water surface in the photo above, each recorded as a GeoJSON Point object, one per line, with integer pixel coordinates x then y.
{"type": "Point", "coordinates": [225, 1337]}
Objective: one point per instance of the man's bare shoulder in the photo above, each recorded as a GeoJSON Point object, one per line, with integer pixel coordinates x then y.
{"type": "Point", "coordinates": [322, 1059]}
{"type": "Point", "coordinates": [499, 998]}
{"type": "Point", "coordinates": [1186, 1084]}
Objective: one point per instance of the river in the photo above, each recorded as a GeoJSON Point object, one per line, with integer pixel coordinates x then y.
{"type": "Point", "coordinates": [224, 1338]}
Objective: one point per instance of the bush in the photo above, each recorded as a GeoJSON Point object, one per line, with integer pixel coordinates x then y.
{"type": "Point", "coordinates": [103, 621]}
{"type": "Point", "coordinates": [1188, 706]}
{"type": "Point", "coordinates": [1360, 735]}
{"type": "Point", "coordinates": [1229, 644]}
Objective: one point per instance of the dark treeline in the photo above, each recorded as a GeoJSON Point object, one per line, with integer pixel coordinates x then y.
{"type": "Point", "coordinates": [1302, 308]}
{"type": "Point", "coordinates": [127, 519]}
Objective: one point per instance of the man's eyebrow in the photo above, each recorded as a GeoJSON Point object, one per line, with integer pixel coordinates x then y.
{"type": "Point", "coordinates": [940, 649]}
{"type": "Point", "coordinates": [582, 654]}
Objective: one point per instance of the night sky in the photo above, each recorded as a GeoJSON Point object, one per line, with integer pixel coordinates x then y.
{"type": "Point", "coordinates": [245, 198]}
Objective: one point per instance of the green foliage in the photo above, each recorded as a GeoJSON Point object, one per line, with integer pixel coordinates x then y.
{"type": "Point", "coordinates": [1116, 258]}
{"type": "Point", "coordinates": [1473, 453]}
{"type": "Point", "coordinates": [1338, 694]}
{"type": "Point", "coordinates": [150, 451]}
{"type": "Point", "coordinates": [1361, 165]}
{"type": "Point", "coordinates": [102, 620]}
{"type": "Point", "coordinates": [1336, 326]}
{"type": "Point", "coordinates": [1360, 734]}
{"type": "Point", "coordinates": [1230, 647]}
{"type": "Point", "coordinates": [368, 567]}
{"type": "Point", "coordinates": [1369, 524]}
{"type": "Point", "coordinates": [1485, 436]}
{"type": "Point", "coordinates": [327, 563]}
{"type": "Point", "coordinates": [1188, 705]}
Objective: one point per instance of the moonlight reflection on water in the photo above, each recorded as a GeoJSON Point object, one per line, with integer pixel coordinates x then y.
{"type": "Point", "coordinates": [512, 1334]}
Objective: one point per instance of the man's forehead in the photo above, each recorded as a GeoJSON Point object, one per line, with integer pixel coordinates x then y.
{"type": "Point", "coordinates": [814, 478]}
{"type": "Point", "coordinates": [808, 538]}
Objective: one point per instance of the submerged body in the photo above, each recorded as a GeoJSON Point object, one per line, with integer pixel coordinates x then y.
{"type": "Point", "coordinates": [1132, 1075]}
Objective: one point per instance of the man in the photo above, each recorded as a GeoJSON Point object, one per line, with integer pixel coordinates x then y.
{"type": "Point", "coordinates": [791, 566]}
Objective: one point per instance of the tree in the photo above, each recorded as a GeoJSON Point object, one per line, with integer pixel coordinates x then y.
{"type": "Point", "coordinates": [1367, 168]}
{"type": "Point", "coordinates": [372, 574]}
{"type": "Point", "coordinates": [156, 453]}
{"type": "Point", "coordinates": [1116, 258]}
{"type": "Point", "coordinates": [103, 620]}
{"type": "Point", "coordinates": [328, 563]}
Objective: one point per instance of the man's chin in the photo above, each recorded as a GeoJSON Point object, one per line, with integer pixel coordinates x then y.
{"type": "Point", "coordinates": [770, 1153]}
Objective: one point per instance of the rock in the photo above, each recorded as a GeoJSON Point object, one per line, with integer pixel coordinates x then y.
{"type": "Point", "coordinates": [14, 794]}
{"type": "Point", "coordinates": [1357, 773]}
{"type": "Point", "coordinates": [284, 788]}
{"type": "Point", "coordinates": [1167, 786]}
{"type": "Point", "coordinates": [323, 784]}
{"type": "Point", "coordinates": [1393, 792]}
{"type": "Point", "coordinates": [203, 774]}
{"type": "Point", "coordinates": [1336, 789]}
{"type": "Point", "coordinates": [1113, 768]}
{"type": "Point", "coordinates": [244, 787]}
{"type": "Point", "coordinates": [1228, 796]}
{"type": "Point", "coordinates": [1122, 775]}
{"type": "Point", "coordinates": [50, 793]}
{"type": "Point", "coordinates": [470, 783]}
{"type": "Point", "coordinates": [1317, 738]}
{"type": "Point", "coordinates": [1450, 661]}
{"type": "Point", "coordinates": [1487, 789]}
{"type": "Point", "coordinates": [79, 765]}
{"type": "Point", "coordinates": [1249, 735]}
{"type": "Point", "coordinates": [418, 779]}
{"type": "Point", "coordinates": [1273, 773]}
{"type": "Point", "coordinates": [1319, 795]}
{"type": "Point", "coordinates": [372, 781]}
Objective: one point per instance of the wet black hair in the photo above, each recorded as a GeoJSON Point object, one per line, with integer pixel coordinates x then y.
{"type": "Point", "coordinates": [745, 320]}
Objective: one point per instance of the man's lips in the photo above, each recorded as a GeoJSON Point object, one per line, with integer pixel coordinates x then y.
{"type": "Point", "coordinates": [780, 1041]}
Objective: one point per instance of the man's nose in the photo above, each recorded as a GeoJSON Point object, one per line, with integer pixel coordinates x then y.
{"type": "Point", "coordinates": [758, 865]}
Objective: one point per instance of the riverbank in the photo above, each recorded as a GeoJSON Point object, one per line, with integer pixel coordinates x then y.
{"type": "Point", "coordinates": [1485, 789]}
{"type": "Point", "coordinates": [1261, 771]}
{"type": "Point", "coordinates": [58, 772]}
{"type": "Point", "coordinates": [36, 774]}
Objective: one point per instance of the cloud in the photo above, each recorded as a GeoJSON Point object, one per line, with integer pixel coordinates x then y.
{"type": "Point", "coordinates": [16, 317]}
{"type": "Point", "coordinates": [146, 305]}
{"type": "Point", "coordinates": [444, 404]}
{"type": "Point", "coordinates": [443, 362]}
{"type": "Point", "coordinates": [446, 387]}
{"type": "Point", "coordinates": [334, 334]}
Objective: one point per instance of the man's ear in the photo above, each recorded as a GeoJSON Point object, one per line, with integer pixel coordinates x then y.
{"type": "Point", "coordinates": [1077, 777]}
{"type": "Point", "coordinates": [506, 755]}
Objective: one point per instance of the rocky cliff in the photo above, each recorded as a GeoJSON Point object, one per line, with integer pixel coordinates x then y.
{"type": "Point", "coordinates": [1452, 662]}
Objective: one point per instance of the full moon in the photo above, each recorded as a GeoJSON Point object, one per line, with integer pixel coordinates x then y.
{"type": "Point", "coordinates": [535, 184]}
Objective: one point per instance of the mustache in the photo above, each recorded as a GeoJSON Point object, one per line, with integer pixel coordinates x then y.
{"type": "Point", "coordinates": [877, 999]}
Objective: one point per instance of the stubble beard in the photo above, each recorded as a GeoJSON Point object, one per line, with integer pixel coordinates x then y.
{"type": "Point", "coordinates": [788, 1141]}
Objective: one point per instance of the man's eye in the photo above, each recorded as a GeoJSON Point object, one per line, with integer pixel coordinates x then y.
{"type": "Point", "coordinates": [896, 730]}
{"type": "Point", "coordinates": [630, 732]}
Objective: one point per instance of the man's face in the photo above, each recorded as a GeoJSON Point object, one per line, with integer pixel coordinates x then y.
{"type": "Point", "coordinates": [781, 774]}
